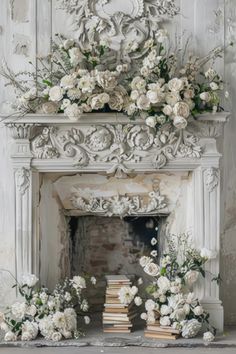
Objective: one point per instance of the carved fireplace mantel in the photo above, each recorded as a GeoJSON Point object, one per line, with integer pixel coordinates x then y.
{"type": "Point", "coordinates": [112, 145]}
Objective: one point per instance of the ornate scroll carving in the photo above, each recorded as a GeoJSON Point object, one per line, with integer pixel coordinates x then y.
{"type": "Point", "coordinates": [22, 179]}
{"type": "Point", "coordinates": [212, 178]}
{"type": "Point", "coordinates": [115, 146]}
{"type": "Point", "coordinates": [124, 24]}
{"type": "Point", "coordinates": [120, 205]}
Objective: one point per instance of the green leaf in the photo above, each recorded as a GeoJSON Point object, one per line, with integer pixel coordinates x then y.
{"type": "Point", "coordinates": [47, 82]}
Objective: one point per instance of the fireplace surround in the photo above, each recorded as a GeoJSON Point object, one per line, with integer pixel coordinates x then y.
{"type": "Point", "coordinates": [106, 165]}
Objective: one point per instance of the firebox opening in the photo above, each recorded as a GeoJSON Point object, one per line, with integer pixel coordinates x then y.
{"type": "Point", "coordinates": [109, 245]}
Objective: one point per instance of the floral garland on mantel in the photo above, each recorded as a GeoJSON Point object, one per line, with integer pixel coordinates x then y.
{"type": "Point", "coordinates": [154, 85]}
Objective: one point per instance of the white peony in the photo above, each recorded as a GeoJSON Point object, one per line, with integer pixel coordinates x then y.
{"type": "Point", "coordinates": [165, 321]}
{"type": "Point", "coordinates": [176, 85]}
{"type": "Point", "coordinates": [56, 336]}
{"type": "Point", "coordinates": [152, 269]}
{"type": "Point", "coordinates": [151, 121]}
{"type": "Point", "coordinates": [163, 284]}
{"type": "Point", "coordinates": [10, 337]}
{"type": "Point", "coordinates": [205, 96]}
{"type": "Point", "coordinates": [208, 337]}
{"type": "Point", "coordinates": [138, 301]}
{"type": "Point", "coordinates": [73, 112]}
{"type": "Point", "coordinates": [68, 82]}
{"type": "Point", "coordinates": [172, 98]}
{"type": "Point", "coordinates": [165, 310]}
{"type": "Point", "coordinates": [59, 319]}
{"type": "Point", "coordinates": [191, 277]}
{"type": "Point", "coordinates": [180, 122]}
{"type": "Point", "coordinates": [198, 310]}
{"type": "Point", "coordinates": [76, 56]}
{"type": "Point", "coordinates": [29, 330]}
{"type": "Point", "coordinates": [181, 109]}
{"type": "Point", "coordinates": [150, 305]}
{"type": "Point", "coordinates": [167, 110]}
{"type": "Point", "coordinates": [56, 93]}
{"type": "Point", "coordinates": [29, 279]}
{"type": "Point", "coordinates": [18, 310]}
{"type": "Point", "coordinates": [71, 319]}
{"type": "Point", "coordinates": [46, 326]}
{"type": "Point", "coordinates": [143, 103]}
{"type": "Point", "coordinates": [145, 261]}
{"type": "Point", "coordinates": [126, 295]}
{"type": "Point", "coordinates": [208, 254]}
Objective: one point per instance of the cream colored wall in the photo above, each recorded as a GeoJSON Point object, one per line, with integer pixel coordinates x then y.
{"type": "Point", "coordinates": [26, 27]}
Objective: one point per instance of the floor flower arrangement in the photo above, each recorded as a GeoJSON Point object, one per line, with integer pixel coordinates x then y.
{"type": "Point", "coordinates": [170, 297]}
{"type": "Point", "coordinates": [52, 315]}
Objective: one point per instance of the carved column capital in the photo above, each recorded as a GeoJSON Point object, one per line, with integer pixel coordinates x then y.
{"type": "Point", "coordinates": [21, 130]}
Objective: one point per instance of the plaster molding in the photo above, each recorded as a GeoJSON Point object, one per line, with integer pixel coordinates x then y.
{"type": "Point", "coordinates": [114, 145]}
{"type": "Point", "coordinates": [212, 177]}
{"type": "Point", "coordinates": [22, 179]}
{"type": "Point", "coordinates": [120, 205]}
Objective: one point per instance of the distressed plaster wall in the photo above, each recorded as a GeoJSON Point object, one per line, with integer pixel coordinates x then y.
{"type": "Point", "coordinates": [26, 27]}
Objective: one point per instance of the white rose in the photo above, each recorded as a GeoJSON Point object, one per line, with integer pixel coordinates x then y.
{"type": "Point", "coordinates": [56, 336]}
{"type": "Point", "coordinates": [198, 310]}
{"type": "Point", "coordinates": [180, 122]}
{"type": "Point", "coordinates": [68, 82]}
{"type": "Point", "coordinates": [191, 277]}
{"type": "Point", "coordinates": [32, 310]}
{"type": "Point", "coordinates": [56, 93]}
{"type": "Point", "coordinates": [143, 103]}
{"type": "Point", "coordinates": [165, 321]}
{"type": "Point", "coordinates": [134, 95]}
{"type": "Point", "coordinates": [163, 284]}
{"type": "Point", "coordinates": [73, 112]}
{"type": "Point", "coordinates": [165, 310]}
{"type": "Point", "coordinates": [138, 301]}
{"type": "Point", "coordinates": [138, 84]}
{"type": "Point", "coordinates": [208, 337]}
{"type": "Point", "coordinates": [205, 96]}
{"type": "Point", "coordinates": [68, 43]}
{"type": "Point", "coordinates": [154, 96]}
{"type": "Point", "coordinates": [208, 254]}
{"type": "Point", "coordinates": [98, 101]}
{"type": "Point", "coordinates": [176, 85]}
{"type": "Point", "coordinates": [179, 315]}
{"type": "Point", "coordinates": [167, 110]}
{"type": "Point", "coordinates": [50, 107]}
{"type": "Point", "coordinates": [144, 316]}
{"type": "Point", "coordinates": [150, 305]}
{"type": "Point", "coordinates": [145, 261]}
{"type": "Point", "coordinates": [75, 56]}
{"type": "Point", "coordinates": [172, 98]}
{"type": "Point", "coordinates": [151, 121]}
{"type": "Point", "coordinates": [130, 109]}
{"type": "Point", "coordinates": [152, 269]}
{"type": "Point", "coordinates": [116, 101]}
{"type": "Point", "coordinates": [10, 337]}
{"type": "Point", "coordinates": [181, 109]}
{"type": "Point", "coordinates": [189, 93]}
{"type": "Point", "coordinates": [18, 310]}
{"type": "Point", "coordinates": [145, 71]}
{"type": "Point", "coordinates": [87, 320]}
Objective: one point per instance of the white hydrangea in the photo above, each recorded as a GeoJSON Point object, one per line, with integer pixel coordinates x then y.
{"type": "Point", "coordinates": [208, 337]}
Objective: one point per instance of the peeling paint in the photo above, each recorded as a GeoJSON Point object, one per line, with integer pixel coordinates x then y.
{"type": "Point", "coordinates": [19, 10]}
{"type": "Point", "coordinates": [21, 44]}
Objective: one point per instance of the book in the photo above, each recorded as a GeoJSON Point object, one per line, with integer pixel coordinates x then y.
{"type": "Point", "coordinates": [116, 330]}
{"type": "Point", "coordinates": [152, 334]}
{"type": "Point", "coordinates": [158, 329]}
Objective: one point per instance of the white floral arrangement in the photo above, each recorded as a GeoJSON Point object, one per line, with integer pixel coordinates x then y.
{"type": "Point", "coordinates": [52, 315]}
{"type": "Point", "coordinates": [171, 300]}
{"type": "Point", "coordinates": [155, 86]}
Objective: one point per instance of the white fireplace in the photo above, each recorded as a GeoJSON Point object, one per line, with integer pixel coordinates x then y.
{"type": "Point", "coordinates": [105, 165]}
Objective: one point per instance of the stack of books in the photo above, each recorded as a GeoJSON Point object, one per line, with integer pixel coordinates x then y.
{"type": "Point", "coordinates": [117, 318]}
{"type": "Point", "coordinates": [161, 332]}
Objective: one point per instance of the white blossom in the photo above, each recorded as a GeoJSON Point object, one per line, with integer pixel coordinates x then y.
{"type": "Point", "coordinates": [208, 337]}
{"type": "Point", "coordinates": [138, 301]}
{"type": "Point", "coordinates": [29, 279]}
{"type": "Point", "coordinates": [87, 320]}
{"type": "Point", "coordinates": [10, 337]}
{"type": "Point", "coordinates": [165, 321]}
